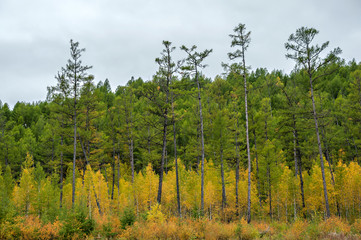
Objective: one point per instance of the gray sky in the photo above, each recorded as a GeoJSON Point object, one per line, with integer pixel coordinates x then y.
{"type": "Point", "coordinates": [123, 37]}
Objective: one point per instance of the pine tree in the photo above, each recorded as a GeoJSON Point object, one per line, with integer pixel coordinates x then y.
{"type": "Point", "coordinates": [194, 64]}
{"type": "Point", "coordinates": [70, 80]}
{"type": "Point", "coordinates": [308, 57]}
{"type": "Point", "coordinates": [241, 39]}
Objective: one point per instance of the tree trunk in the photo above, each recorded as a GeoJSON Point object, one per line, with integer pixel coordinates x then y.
{"type": "Point", "coordinates": [164, 148]}
{"type": "Point", "coordinates": [175, 158]}
{"type": "Point", "coordinates": [118, 178]}
{"type": "Point", "coordinates": [74, 154]}
{"type": "Point", "coordinates": [202, 143]}
{"type": "Point", "coordinates": [247, 139]}
{"type": "Point", "coordinates": [296, 170]}
{"type": "Point", "coordinates": [327, 155]}
{"type": "Point", "coordinates": [320, 151]}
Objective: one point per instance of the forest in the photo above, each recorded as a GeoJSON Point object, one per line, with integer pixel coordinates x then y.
{"type": "Point", "coordinates": [249, 154]}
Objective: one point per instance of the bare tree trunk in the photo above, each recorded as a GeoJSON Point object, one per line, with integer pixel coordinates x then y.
{"type": "Point", "coordinates": [74, 155]}
{"type": "Point", "coordinates": [296, 171]}
{"type": "Point", "coordinates": [320, 151]}
{"type": "Point", "coordinates": [247, 138]}
{"type": "Point", "coordinates": [164, 148]}
{"type": "Point", "coordinates": [327, 155]}
{"type": "Point", "coordinates": [118, 178]}
{"type": "Point", "coordinates": [202, 142]}
{"type": "Point", "coordinates": [175, 159]}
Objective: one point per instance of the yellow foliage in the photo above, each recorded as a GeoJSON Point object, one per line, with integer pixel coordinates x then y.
{"type": "Point", "coordinates": [314, 195]}
{"type": "Point", "coordinates": [145, 188]}
{"type": "Point", "coordinates": [155, 214]}
{"type": "Point", "coordinates": [25, 193]}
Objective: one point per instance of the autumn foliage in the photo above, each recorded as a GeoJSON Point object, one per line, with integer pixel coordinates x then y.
{"type": "Point", "coordinates": [133, 213]}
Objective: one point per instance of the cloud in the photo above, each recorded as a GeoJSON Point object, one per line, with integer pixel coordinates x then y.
{"type": "Point", "coordinates": [122, 38]}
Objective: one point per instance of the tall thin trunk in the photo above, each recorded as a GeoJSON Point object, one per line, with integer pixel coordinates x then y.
{"type": "Point", "coordinates": [298, 153]}
{"type": "Point", "coordinates": [202, 142]}
{"type": "Point", "coordinates": [118, 178]}
{"type": "Point", "coordinates": [198, 130]}
{"type": "Point", "coordinates": [320, 150]}
{"type": "Point", "coordinates": [296, 171]}
{"type": "Point", "coordinates": [74, 154]}
{"type": "Point", "coordinates": [268, 172]}
{"type": "Point", "coordinates": [175, 158]}
{"type": "Point", "coordinates": [159, 197]}
{"type": "Point", "coordinates": [164, 148]}
{"type": "Point", "coordinates": [247, 139]}
{"type": "Point", "coordinates": [327, 155]}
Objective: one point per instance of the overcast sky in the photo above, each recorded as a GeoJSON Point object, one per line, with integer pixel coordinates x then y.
{"type": "Point", "coordinates": [123, 37]}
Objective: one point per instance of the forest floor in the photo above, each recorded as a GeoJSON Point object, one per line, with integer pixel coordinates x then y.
{"type": "Point", "coordinates": [31, 227]}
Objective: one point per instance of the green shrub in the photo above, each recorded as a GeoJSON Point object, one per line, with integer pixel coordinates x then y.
{"type": "Point", "coordinates": [77, 224]}
{"type": "Point", "coordinates": [127, 218]}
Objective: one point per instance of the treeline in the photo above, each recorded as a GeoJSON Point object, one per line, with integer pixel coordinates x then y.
{"type": "Point", "coordinates": [186, 141]}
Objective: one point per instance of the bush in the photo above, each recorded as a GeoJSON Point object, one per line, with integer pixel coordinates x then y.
{"type": "Point", "coordinates": [334, 226]}
{"type": "Point", "coordinates": [127, 218]}
{"type": "Point", "coordinates": [297, 230]}
{"type": "Point", "coordinates": [77, 225]}
{"type": "Point", "coordinates": [356, 227]}
{"type": "Point", "coordinates": [246, 231]}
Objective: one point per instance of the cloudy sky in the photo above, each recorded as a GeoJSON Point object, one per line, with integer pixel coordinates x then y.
{"type": "Point", "coordinates": [123, 37]}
